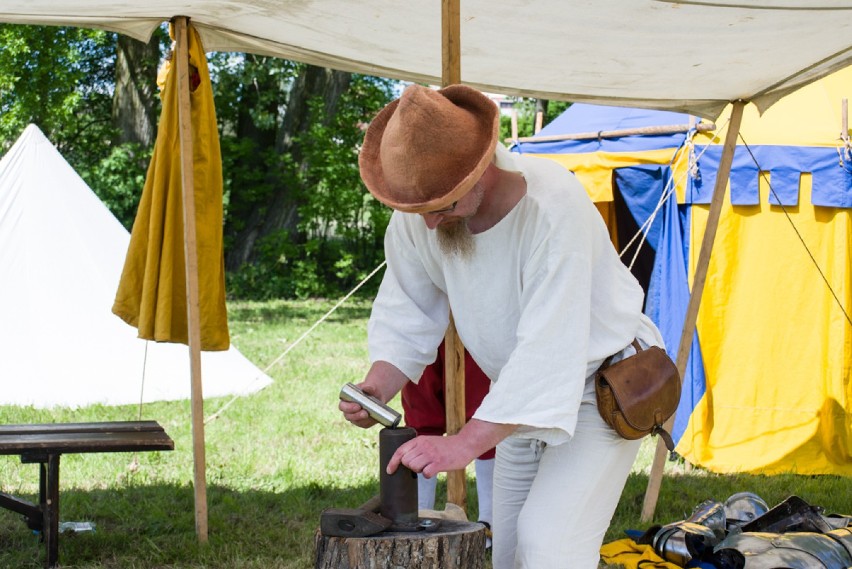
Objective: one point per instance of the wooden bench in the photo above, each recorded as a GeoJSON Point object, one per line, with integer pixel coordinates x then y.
{"type": "Point", "coordinates": [44, 443]}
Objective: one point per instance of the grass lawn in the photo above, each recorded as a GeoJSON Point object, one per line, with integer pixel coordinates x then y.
{"type": "Point", "coordinates": [275, 460]}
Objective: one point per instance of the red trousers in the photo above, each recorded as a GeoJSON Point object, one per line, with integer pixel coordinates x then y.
{"type": "Point", "coordinates": [423, 403]}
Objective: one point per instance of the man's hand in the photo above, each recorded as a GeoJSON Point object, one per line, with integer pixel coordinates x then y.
{"type": "Point", "coordinates": [356, 414]}
{"type": "Point", "coordinates": [383, 381]}
{"type": "Point", "coordinates": [431, 455]}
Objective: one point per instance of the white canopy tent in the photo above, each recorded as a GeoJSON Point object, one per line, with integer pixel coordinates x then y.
{"type": "Point", "coordinates": [694, 56]}
{"type": "Point", "coordinates": [687, 55]}
{"type": "Point", "coordinates": [61, 253]}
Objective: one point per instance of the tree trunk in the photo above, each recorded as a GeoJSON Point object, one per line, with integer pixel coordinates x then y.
{"type": "Point", "coordinates": [454, 545]}
{"type": "Point", "coordinates": [134, 109]}
{"type": "Point", "coordinates": [280, 210]}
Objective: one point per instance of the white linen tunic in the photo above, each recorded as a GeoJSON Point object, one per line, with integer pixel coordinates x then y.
{"type": "Point", "coordinates": [541, 302]}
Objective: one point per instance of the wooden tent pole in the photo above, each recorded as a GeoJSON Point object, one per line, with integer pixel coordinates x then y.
{"type": "Point", "coordinates": [181, 61]}
{"type": "Point", "coordinates": [514, 126]}
{"type": "Point", "coordinates": [451, 42]}
{"type": "Point", "coordinates": [638, 131]}
{"type": "Point", "coordinates": [656, 475]}
{"type": "Point", "coordinates": [453, 349]}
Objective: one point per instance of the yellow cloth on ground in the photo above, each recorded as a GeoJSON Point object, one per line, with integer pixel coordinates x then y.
{"type": "Point", "coordinates": [151, 295]}
{"type": "Point", "coordinates": [631, 555]}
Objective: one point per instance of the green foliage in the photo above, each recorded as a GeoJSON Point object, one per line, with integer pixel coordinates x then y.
{"type": "Point", "coordinates": [526, 111]}
{"type": "Point", "coordinates": [250, 94]}
{"type": "Point", "coordinates": [251, 88]}
{"type": "Point", "coordinates": [329, 233]}
{"type": "Point", "coordinates": [118, 179]}
{"type": "Point", "coordinates": [61, 79]}
{"type": "Point", "coordinates": [58, 78]}
{"type": "Point", "coordinates": [268, 278]}
{"type": "Point", "coordinates": [338, 237]}
{"type": "Point", "coordinates": [343, 224]}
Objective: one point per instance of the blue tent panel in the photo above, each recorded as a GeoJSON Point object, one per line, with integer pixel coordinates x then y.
{"type": "Point", "coordinates": [668, 292]}
{"type": "Point", "coordinates": [583, 118]}
{"type": "Point", "coordinates": [832, 175]}
{"type": "Point", "coordinates": [641, 188]}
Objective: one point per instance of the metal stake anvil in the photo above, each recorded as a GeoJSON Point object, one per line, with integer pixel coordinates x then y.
{"type": "Point", "coordinates": [394, 509]}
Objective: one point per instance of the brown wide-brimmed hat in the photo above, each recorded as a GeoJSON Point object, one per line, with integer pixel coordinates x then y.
{"type": "Point", "coordinates": [428, 148]}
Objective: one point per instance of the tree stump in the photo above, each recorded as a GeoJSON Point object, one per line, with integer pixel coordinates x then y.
{"type": "Point", "coordinates": [454, 545]}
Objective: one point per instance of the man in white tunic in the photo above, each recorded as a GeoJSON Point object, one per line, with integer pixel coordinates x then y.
{"type": "Point", "coordinates": [515, 248]}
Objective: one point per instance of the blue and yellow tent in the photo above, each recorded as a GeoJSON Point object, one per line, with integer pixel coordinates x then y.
{"type": "Point", "coordinates": [768, 387]}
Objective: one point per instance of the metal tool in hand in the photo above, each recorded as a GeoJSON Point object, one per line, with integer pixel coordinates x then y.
{"type": "Point", "coordinates": [375, 408]}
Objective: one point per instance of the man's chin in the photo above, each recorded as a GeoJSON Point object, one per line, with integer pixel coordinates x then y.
{"type": "Point", "coordinates": [455, 239]}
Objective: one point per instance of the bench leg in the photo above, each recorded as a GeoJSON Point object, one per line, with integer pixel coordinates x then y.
{"type": "Point", "coordinates": [49, 496]}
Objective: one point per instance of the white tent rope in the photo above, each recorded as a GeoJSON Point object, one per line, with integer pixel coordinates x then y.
{"type": "Point", "coordinates": [303, 336]}
{"type": "Point", "coordinates": [844, 153]}
{"type": "Point", "coordinates": [142, 383]}
{"type": "Point", "coordinates": [667, 192]}
{"type": "Point", "coordinates": [134, 463]}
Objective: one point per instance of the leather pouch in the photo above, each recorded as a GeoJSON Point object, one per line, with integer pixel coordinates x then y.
{"type": "Point", "coordinates": [638, 394]}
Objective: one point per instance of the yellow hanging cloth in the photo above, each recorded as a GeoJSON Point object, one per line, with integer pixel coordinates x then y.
{"type": "Point", "coordinates": [630, 555]}
{"type": "Point", "coordinates": [151, 295]}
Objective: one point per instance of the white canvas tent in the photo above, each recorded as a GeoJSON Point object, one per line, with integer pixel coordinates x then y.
{"type": "Point", "coordinates": [61, 253]}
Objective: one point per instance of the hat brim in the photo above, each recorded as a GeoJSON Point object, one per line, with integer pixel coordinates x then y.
{"type": "Point", "coordinates": [487, 117]}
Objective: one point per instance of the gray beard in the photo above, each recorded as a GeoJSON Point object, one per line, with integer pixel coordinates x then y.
{"type": "Point", "coordinates": [456, 240]}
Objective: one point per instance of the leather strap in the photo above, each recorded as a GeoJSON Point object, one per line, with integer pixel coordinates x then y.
{"type": "Point", "coordinates": [608, 361]}
{"type": "Point", "coordinates": [664, 434]}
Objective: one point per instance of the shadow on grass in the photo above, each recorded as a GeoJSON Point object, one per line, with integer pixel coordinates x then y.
{"type": "Point", "coordinates": [154, 526]}
{"type": "Point", "coordinates": [308, 310]}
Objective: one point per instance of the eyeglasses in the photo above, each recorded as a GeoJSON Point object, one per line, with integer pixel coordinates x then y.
{"type": "Point", "coordinates": [448, 209]}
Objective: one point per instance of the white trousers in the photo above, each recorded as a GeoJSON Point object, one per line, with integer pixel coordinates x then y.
{"type": "Point", "coordinates": [553, 504]}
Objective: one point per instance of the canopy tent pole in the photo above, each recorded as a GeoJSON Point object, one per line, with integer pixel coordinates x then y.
{"type": "Point", "coordinates": [453, 349]}
{"type": "Point", "coordinates": [655, 478]}
{"type": "Point", "coordinates": [514, 126]}
{"type": "Point", "coordinates": [181, 60]}
{"type": "Point", "coordinates": [451, 43]}
{"type": "Point", "coordinates": [638, 131]}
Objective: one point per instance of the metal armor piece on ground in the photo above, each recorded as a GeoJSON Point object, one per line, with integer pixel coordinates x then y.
{"type": "Point", "coordinates": [744, 507]}
{"type": "Point", "coordinates": [793, 514]}
{"type": "Point", "coordinates": [693, 537]}
{"type": "Point", "coordinates": [743, 533]}
{"type": "Point", "coordinates": [681, 543]}
{"type": "Point", "coordinates": [794, 550]}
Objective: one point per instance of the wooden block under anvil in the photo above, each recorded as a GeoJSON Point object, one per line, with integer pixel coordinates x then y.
{"type": "Point", "coordinates": [453, 545]}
